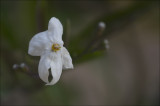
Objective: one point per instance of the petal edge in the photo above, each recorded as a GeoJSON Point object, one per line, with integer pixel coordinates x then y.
{"type": "Point", "coordinates": [66, 59]}
{"type": "Point", "coordinates": [38, 44]}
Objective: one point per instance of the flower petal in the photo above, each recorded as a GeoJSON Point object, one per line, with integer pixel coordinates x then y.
{"type": "Point", "coordinates": [39, 43]}
{"type": "Point", "coordinates": [43, 67]}
{"type": "Point", "coordinates": [55, 31]}
{"type": "Point", "coordinates": [56, 68]}
{"type": "Point", "coordinates": [51, 60]}
{"type": "Point", "coordinates": [66, 59]}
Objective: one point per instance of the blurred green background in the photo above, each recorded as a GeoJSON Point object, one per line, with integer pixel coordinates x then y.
{"type": "Point", "coordinates": [125, 74]}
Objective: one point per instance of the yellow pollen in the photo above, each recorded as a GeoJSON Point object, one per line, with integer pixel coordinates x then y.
{"type": "Point", "coordinates": [56, 47]}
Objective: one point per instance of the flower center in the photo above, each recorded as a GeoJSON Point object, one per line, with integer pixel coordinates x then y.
{"type": "Point", "coordinates": [56, 47]}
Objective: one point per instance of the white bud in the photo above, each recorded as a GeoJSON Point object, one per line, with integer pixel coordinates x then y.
{"type": "Point", "coordinates": [15, 66]}
{"type": "Point", "coordinates": [102, 25]}
{"type": "Point", "coordinates": [106, 42]}
{"type": "Point", "coordinates": [22, 65]}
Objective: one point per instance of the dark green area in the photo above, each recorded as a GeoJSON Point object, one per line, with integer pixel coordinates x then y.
{"type": "Point", "coordinates": [21, 20]}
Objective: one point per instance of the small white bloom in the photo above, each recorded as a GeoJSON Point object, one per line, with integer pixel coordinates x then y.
{"type": "Point", "coordinates": [49, 46]}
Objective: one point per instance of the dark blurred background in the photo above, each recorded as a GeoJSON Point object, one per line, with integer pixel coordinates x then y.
{"type": "Point", "coordinates": [124, 73]}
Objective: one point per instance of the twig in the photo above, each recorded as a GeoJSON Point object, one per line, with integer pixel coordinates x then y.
{"type": "Point", "coordinates": [94, 41]}
{"type": "Point", "coordinates": [25, 69]}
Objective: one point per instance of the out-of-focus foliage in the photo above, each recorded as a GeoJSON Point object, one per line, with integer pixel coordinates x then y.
{"type": "Point", "coordinates": [20, 20]}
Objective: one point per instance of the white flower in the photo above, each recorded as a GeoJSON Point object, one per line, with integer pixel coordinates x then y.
{"type": "Point", "coordinates": [54, 56]}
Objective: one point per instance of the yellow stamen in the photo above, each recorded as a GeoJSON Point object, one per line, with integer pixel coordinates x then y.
{"type": "Point", "coordinates": [56, 47]}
